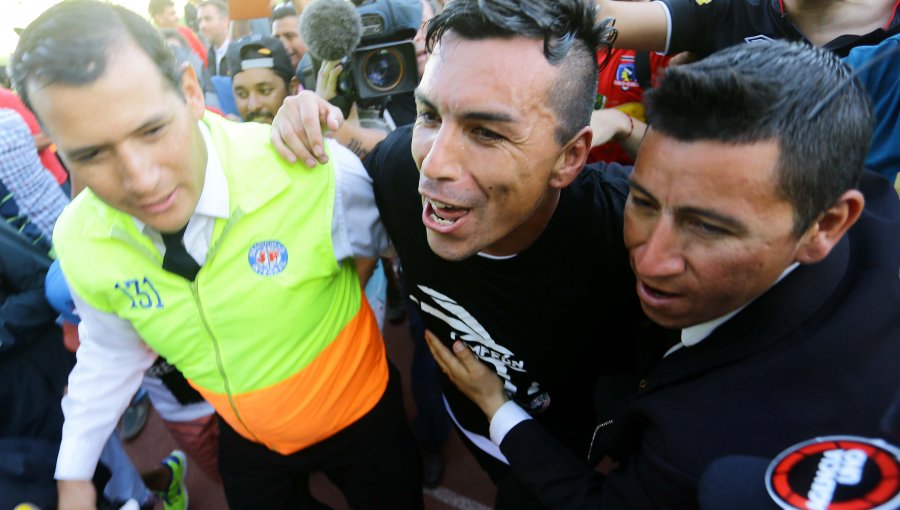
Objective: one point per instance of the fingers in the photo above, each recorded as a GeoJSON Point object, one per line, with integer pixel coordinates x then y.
{"type": "Point", "coordinates": [333, 118]}
{"type": "Point", "coordinates": [467, 358]}
{"type": "Point", "coordinates": [297, 130]}
{"type": "Point", "coordinates": [285, 138]}
{"type": "Point", "coordinates": [472, 377]}
{"type": "Point", "coordinates": [327, 79]}
{"type": "Point", "coordinates": [444, 358]}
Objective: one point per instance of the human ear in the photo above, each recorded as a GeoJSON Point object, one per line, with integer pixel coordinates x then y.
{"type": "Point", "coordinates": [572, 159]}
{"type": "Point", "coordinates": [831, 226]}
{"type": "Point", "coordinates": [192, 91]}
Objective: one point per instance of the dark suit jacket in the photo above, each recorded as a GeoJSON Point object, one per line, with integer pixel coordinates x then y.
{"type": "Point", "coordinates": [817, 354]}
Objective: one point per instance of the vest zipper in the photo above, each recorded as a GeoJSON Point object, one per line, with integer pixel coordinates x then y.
{"type": "Point", "coordinates": [196, 295]}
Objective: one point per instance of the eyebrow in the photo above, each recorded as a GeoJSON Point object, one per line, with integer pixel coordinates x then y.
{"type": "Point", "coordinates": [81, 151]}
{"type": "Point", "coordinates": [727, 221]}
{"type": "Point", "coordinates": [470, 115]}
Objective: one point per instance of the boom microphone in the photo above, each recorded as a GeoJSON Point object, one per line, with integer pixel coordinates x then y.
{"type": "Point", "coordinates": [331, 28]}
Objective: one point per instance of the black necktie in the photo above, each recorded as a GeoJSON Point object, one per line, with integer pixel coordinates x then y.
{"type": "Point", "coordinates": [177, 260]}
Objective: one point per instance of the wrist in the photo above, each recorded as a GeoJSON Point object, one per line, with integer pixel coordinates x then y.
{"type": "Point", "coordinates": [491, 406]}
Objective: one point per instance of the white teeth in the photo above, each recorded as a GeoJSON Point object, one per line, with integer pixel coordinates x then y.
{"type": "Point", "coordinates": [440, 220]}
{"type": "Point", "coordinates": [439, 205]}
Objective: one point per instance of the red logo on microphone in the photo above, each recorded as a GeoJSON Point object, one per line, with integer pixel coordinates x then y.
{"type": "Point", "coordinates": [836, 473]}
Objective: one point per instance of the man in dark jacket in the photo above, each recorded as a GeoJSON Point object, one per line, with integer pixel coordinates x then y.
{"type": "Point", "coordinates": [754, 234]}
{"type": "Point", "coordinates": [34, 367]}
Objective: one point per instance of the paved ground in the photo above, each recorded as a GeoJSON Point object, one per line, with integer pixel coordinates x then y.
{"type": "Point", "coordinates": [465, 485]}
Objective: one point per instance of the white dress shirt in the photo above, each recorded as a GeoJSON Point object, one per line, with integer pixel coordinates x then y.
{"type": "Point", "coordinates": [112, 357]}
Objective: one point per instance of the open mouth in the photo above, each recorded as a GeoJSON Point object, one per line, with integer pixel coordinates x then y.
{"type": "Point", "coordinates": [442, 214]}
{"type": "Point", "coordinates": [653, 291]}
{"type": "Point", "coordinates": [656, 298]}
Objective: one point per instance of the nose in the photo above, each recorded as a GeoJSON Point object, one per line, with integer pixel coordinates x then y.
{"type": "Point", "coordinates": [442, 152]}
{"type": "Point", "coordinates": [660, 253]}
{"type": "Point", "coordinates": [253, 102]}
{"type": "Point", "coordinates": [139, 176]}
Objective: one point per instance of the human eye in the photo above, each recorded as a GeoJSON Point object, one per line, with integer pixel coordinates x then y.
{"type": "Point", "coordinates": [85, 157]}
{"type": "Point", "coordinates": [487, 135]}
{"type": "Point", "coordinates": [427, 117]}
{"type": "Point", "coordinates": [153, 130]}
{"type": "Point", "coordinates": [241, 94]}
{"type": "Point", "coordinates": [266, 90]}
{"type": "Point", "coordinates": [706, 228]}
{"type": "Point", "coordinates": [640, 202]}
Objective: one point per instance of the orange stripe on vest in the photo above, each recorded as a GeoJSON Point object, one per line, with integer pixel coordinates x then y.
{"type": "Point", "coordinates": [339, 387]}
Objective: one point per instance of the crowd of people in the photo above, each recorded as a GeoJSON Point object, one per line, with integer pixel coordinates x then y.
{"type": "Point", "coordinates": [635, 241]}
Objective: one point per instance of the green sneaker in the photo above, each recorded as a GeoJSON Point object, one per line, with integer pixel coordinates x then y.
{"type": "Point", "coordinates": [176, 495]}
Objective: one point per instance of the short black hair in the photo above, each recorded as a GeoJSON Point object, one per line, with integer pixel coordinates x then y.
{"type": "Point", "coordinates": [71, 43]}
{"type": "Point", "coordinates": [283, 11]}
{"type": "Point", "coordinates": [571, 35]}
{"type": "Point", "coordinates": [218, 4]}
{"type": "Point", "coordinates": [764, 91]}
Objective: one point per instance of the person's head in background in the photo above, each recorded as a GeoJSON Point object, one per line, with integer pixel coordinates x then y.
{"type": "Point", "coordinates": [504, 108]}
{"type": "Point", "coordinates": [163, 14]}
{"type": "Point", "coordinates": [286, 27]}
{"type": "Point", "coordinates": [182, 50]}
{"type": "Point", "coordinates": [429, 9]}
{"type": "Point", "coordinates": [262, 77]}
{"type": "Point", "coordinates": [734, 182]}
{"type": "Point", "coordinates": [122, 113]}
{"type": "Point", "coordinates": [212, 16]}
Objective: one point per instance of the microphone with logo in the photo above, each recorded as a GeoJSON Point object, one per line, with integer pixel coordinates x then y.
{"type": "Point", "coordinates": [833, 472]}
{"type": "Point", "coordinates": [332, 29]}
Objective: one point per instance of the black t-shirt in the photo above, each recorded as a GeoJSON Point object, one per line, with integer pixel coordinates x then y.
{"type": "Point", "coordinates": [704, 27]}
{"type": "Point", "coordinates": [550, 319]}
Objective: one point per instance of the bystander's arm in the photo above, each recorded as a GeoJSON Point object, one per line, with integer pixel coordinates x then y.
{"type": "Point", "coordinates": [612, 124]}
{"type": "Point", "coordinates": [641, 25]}
{"type": "Point", "coordinates": [358, 139]}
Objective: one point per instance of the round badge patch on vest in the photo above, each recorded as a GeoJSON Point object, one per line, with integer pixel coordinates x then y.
{"type": "Point", "coordinates": [268, 257]}
{"type": "Point", "coordinates": [836, 472]}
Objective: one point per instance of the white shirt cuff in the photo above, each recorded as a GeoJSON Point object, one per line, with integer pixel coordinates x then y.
{"type": "Point", "coordinates": [508, 416]}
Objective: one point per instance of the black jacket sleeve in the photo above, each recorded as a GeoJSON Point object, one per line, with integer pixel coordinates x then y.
{"type": "Point", "coordinates": [553, 472]}
{"type": "Point", "coordinates": [24, 312]}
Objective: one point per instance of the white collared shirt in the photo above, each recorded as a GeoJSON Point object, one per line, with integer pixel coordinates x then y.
{"type": "Point", "coordinates": [221, 51]}
{"type": "Point", "coordinates": [112, 357]}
